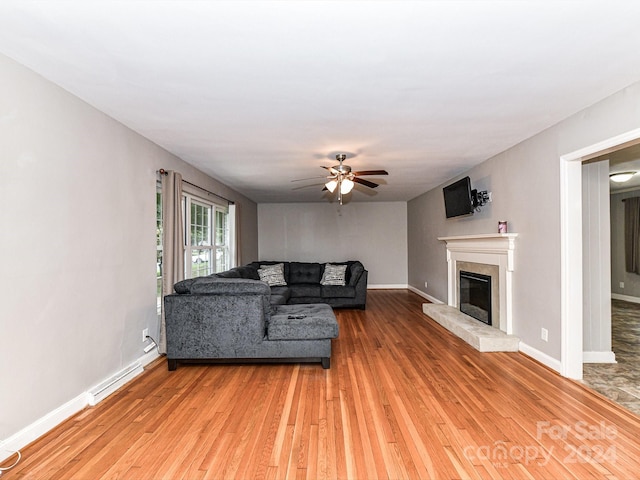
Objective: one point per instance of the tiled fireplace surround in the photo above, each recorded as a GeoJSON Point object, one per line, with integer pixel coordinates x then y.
{"type": "Point", "coordinates": [489, 254]}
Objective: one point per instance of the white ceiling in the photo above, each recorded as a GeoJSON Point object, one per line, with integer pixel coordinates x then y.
{"type": "Point", "coordinates": [260, 93]}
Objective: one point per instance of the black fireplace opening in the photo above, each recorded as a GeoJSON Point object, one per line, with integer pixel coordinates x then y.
{"type": "Point", "coordinates": [475, 296]}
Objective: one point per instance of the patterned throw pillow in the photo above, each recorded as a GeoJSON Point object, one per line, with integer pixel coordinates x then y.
{"type": "Point", "coordinates": [272, 274]}
{"type": "Point", "coordinates": [334, 275]}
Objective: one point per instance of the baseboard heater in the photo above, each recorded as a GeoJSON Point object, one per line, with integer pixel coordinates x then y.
{"type": "Point", "coordinates": [110, 385]}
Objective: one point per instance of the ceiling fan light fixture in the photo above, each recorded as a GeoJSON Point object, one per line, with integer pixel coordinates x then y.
{"type": "Point", "coordinates": [331, 185]}
{"type": "Point", "coordinates": [346, 186]}
{"type": "Point", "coordinates": [621, 177]}
{"type": "Point", "coordinates": [342, 179]}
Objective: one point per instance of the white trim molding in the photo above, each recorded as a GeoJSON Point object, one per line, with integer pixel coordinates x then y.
{"type": "Point", "coordinates": [431, 298]}
{"type": "Point", "coordinates": [387, 286]}
{"type": "Point", "coordinates": [489, 249]}
{"type": "Point", "coordinates": [599, 357]}
{"type": "Point", "coordinates": [541, 357]}
{"type": "Point", "coordinates": [52, 419]}
{"type": "Point", "coordinates": [101, 391]}
{"type": "Point", "coordinates": [41, 426]}
{"type": "Point", "coordinates": [626, 298]}
{"type": "Point", "coordinates": [571, 355]}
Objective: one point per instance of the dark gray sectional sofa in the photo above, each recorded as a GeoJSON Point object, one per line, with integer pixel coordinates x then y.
{"type": "Point", "coordinates": [303, 285]}
{"type": "Point", "coordinates": [232, 316]}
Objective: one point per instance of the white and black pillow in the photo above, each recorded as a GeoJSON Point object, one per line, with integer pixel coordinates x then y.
{"type": "Point", "coordinates": [272, 274]}
{"type": "Point", "coordinates": [334, 275]}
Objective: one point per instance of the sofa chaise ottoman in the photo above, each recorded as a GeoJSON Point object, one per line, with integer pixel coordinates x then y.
{"type": "Point", "coordinates": [232, 320]}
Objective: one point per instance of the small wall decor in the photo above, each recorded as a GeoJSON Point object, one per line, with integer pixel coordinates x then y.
{"type": "Point", "coordinates": [502, 226]}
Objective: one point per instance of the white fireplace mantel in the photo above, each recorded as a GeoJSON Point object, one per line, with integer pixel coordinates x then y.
{"type": "Point", "coordinates": [489, 249]}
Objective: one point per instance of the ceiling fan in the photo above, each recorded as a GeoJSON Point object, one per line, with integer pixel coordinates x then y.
{"type": "Point", "coordinates": [341, 177]}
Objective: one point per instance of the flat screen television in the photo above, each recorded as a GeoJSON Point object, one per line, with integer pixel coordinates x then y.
{"type": "Point", "coordinates": [458, 199]}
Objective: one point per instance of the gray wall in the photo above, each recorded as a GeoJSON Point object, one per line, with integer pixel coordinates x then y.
{"type": "Point", "coordinates": [618, 273]}
{"type": "Point", "coordinates": [374, 233]}
{"type": "Point", "coordinates": [77, 244]}
{"type": "Point", "coordinates": [525, 181]}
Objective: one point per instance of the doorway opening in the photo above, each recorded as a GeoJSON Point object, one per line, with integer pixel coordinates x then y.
{"type": "Point", "coordinates": [571, 247]}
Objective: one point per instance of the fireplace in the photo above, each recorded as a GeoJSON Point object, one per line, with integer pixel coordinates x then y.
{"type": "Point", "coordinates": [475, 295]}
{"type": "Point", "coordinates": [489, 254]}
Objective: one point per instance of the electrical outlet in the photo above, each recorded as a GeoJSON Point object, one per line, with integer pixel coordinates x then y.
{"type": "Point", "coordinates": [426, 284]}
{"type": "Point", "coordinates": [621, 284]}
{"type": "Point", "coordinates": [544, 334]}
{"type": "Point", "coordinates": [145, 334]}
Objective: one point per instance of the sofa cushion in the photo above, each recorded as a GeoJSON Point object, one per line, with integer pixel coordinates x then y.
{"type": "Point", "coordinates": [260, 264]}
{"type": "Point", "coordinates": [272, 274]}
{"type": "Point", "coordinates": [229, 286]}
{"type": "Point", "coordinates": [337, 291]}
{"type": "Point", "coordinates": [248, 272]}
{"type": "Point", "coordinates": [233, 273]}
{"type": "Point", "coordinates": [284, 292]}
{"type": "Point", "coordinates": [334, 275]}
{"type": "Point", "coordinates": [305, 290]}
{"type": "Point", "coordinates": [302, 322]}
{"type": "Point", "coordinates": [300, 272]}
{"type": "Point", "coordinates": [278, 300]}
{"type": "Point", "coordinates": [354, 272]}
{"type": "Point", "coordinates": [184, 286]}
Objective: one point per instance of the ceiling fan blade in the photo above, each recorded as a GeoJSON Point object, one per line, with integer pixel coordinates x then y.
{"type": "Point", "coordinates": [308, 178]}
{"type": "Point", "coordinates": [302, 187]}
{"type": "Point", "coordinates": [371, 172]}
{"type": "Point", "coordinates": [331, 169]}
{"type": "Point", "coordinates": [364, 182]}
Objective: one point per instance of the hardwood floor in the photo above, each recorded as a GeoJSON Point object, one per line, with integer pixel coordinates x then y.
{"type": "Point", "coordinates": [403, 399]}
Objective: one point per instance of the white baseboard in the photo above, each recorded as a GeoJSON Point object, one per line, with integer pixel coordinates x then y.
{"type": "Point", "coordinates": [147, 358]}
{"type": "Point", "coordinates": [105, 388]}
{"type": "Point", "coordinates": [541, 357]}
{"type": "Point", "coordinates": [599, 357]}
{"type": "Point", "coordinates": [404, 287]}
{"type": "Point", "coordinates": [426, 295]}
{"type": "Point", "coordinates": [52, 419]}
{"type": "Point", "coordinates": [387, 286]}
{"type": "Point", "coordinates": [626, 298]}
{"type": "Point", "coordinates": [41, 426]}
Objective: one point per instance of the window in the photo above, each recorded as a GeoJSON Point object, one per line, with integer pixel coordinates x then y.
{"type": "Point", "coordinates": [207, 237]}
{"type": "Point", "coordinates": [222, 239]}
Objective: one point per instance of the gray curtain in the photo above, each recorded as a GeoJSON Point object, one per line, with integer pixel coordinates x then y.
{"type": "Point", "coordinates": [236, 225]}
{"type": "Point", "coordinates": [632, 234]}
{"type": "Point", "coordinates": [172, 241]}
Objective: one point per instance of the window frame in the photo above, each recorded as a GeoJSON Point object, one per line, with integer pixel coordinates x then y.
{"type": "Point", "coordinates": [211, 245]}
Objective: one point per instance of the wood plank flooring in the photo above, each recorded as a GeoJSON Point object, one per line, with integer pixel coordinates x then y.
{"type": "Point", "coordinates": [403, 399]}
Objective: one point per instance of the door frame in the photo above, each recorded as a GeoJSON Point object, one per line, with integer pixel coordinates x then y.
{"type": "Point", "coordinates": [571, 247]}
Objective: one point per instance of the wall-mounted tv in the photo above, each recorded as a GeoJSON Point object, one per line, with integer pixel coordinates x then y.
{"type": "Point", "coordinates": [458, 198]}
